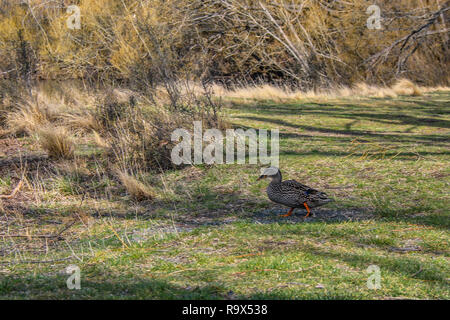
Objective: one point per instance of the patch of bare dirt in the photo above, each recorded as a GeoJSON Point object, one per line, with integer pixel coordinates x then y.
{"type": "Point", "coordinates": [14, 157]}
{"type": "Point", "coordinates": [10, 147]}
{"type": "Point", "coordinates": [273, 215]}
{"type": "Point", "coordinates": [318, 214]}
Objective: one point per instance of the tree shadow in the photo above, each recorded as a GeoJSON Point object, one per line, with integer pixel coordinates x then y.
{"type": "Point", "coordinates": [108, 286]}
{"type": "Point", "coordinates": [406, 265]}
{"type": "Point", "coordinates": [422, 139]}
{"type": "Point", "coordinates": [274, 215]}
{"type": "Point", "coordinates": [395, 114]}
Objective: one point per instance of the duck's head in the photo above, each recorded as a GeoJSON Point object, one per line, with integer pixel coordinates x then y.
{"type": "Point", "coordinates": [272, 173]}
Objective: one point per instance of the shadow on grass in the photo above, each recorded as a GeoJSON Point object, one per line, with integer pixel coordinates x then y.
{"type": "Point", "coordinates": [422, 139]}
{"type": "Point", "coordinates": [123, 288]}
{"type": "Point", "coordinates": [408, 266]}
{"type": "Point", "coordinates": [113, 287]}
{"type": "Point", "coordinates": [395, 114]}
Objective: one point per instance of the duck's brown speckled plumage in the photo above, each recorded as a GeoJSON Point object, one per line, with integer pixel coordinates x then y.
{"type": "Point", "coordinates": [294, 194]}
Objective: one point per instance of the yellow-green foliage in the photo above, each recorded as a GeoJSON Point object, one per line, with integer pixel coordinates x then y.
{"type": "Point", "coordinates": [142, 41]}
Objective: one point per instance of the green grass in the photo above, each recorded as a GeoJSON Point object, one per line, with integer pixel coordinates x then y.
{"type": "Point", "coordinates": [213, 234]}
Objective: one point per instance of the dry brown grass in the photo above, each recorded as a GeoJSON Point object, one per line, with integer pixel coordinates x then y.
{"type": "Point", "coordinates": [49, 103]}
{"type": "Point", "coordinates": [57, 142]}
{"type": "Point", "coordinates": [366, 90]}
{"type": "Point", "coordinates": [435, 89]}
{"type": "Point", "coordinates": [28, 118]}
{"type": "Point", "coordinates": [407, 87]}
{"type": "Point", "coordinates": [282, 94]}
{"type": "Point", "coordinates": [263, 92]}
{"type": "Point", "coordinates": [84, 121]}
{"type": "Point", "coordinates": [100, 141]}
{"type": "Point", "coordinates": [135, 188]}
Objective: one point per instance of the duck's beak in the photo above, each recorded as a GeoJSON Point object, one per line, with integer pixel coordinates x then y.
{"type": "Point", "coordinates": [261, 177]}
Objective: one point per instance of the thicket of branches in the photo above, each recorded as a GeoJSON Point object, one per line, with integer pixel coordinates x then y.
{"type": "Point", "coordinates": [146, 43]}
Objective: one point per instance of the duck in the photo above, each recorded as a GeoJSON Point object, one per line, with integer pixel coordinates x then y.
{"type": "Point", "coordinates": [291, 193]}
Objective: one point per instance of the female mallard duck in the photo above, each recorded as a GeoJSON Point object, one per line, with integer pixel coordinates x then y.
{"type": "Point", "coordinates": [292, 193]}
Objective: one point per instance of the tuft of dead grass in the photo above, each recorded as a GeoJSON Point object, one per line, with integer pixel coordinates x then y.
{"type": "Point", "coordinates": [63, 103]}
{"type": "Point", "coordinates": [28, 118]}
{"type": "Point", "coordinates": [57, 142]}
{"type": "Point", "coordinates": [406, 87]}
{"type": "Point", "coordinates": [135, 188]}
{"type": "Point", "coordinates": [81, 121]}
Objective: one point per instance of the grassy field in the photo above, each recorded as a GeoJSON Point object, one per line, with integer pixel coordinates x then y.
{"type": "Point", "coordinates": [213, 234]}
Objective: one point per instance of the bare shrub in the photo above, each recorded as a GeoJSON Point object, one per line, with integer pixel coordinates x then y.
{"type": "Point", "coordinates": [313, 44]}
{"type": "Point", "coordinates": [138, 129]}
{"type": "Point", "coordinates": [140, 139]}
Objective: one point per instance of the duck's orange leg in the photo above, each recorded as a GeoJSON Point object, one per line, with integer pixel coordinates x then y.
{"type": "Point", "coordinates": [288, 214]}
{"type": "Point", "coordinates": [307, 209]}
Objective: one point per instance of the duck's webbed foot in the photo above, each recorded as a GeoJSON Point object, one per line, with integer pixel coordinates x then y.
{"type": "Point", "coordinates": [289, 213]}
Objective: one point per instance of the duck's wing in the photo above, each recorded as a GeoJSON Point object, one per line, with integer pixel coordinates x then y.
{"type": "Point", "coordinates": [301, 192]}
{"type": "Point", "coordinates": [292, 184]}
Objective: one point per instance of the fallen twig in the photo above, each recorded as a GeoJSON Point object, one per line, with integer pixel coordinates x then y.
{"type": "Point", "coordinates": [44, 236]}
{"type": "Point", "coordinates": [406, 249]}
{"type": "Point", "coordinates": [415, 274]}
{"type": "Point", "coordinates": [408, 229]}
{"type": "Point", "coordinates": [64, 229]}
{"type": "Point", "coordinates": [13, 193]}
{"type": "Point", "coordinates": [35, 261]}
{"type": "Point", "coordinates": [190, 269]}
{"type": "Point", "coordinates": [118, 237]}
{"type": "Point", "coordinates": [249, 254]}
{"type": "Point", "coordinates": [278, 270]}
